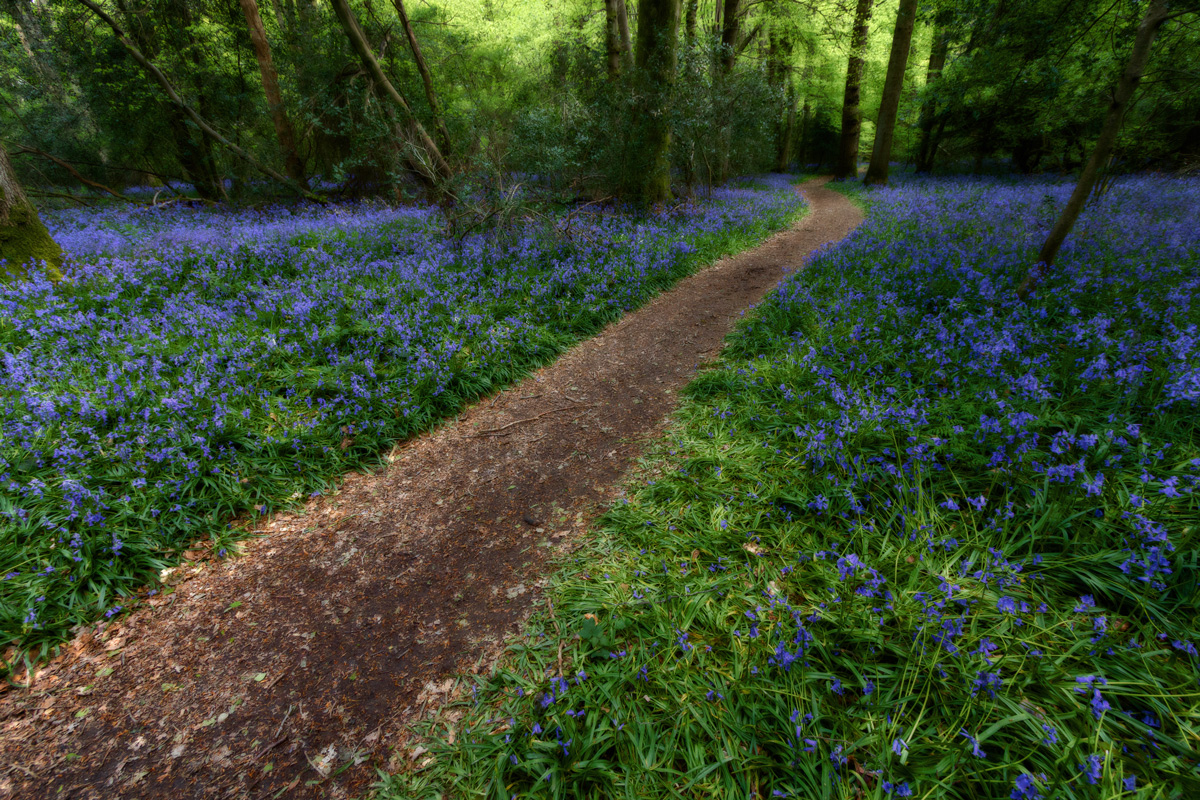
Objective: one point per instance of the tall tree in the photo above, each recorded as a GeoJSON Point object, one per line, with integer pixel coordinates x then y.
{"type": "Point", "coordinates": [626, 40]}
{"type": "Point", "coordinates": [780, 42]}
{"type": "Point", "coordinates": [693, 8]}
{"type": "Point", "coordinates": [927, 145]}
{"type": "Point", "coordinates": [1156, 15]}
{"type": "Point", "coordinates": [435, 105]}
{"type": "Point", "coordinates": [730, 33]}
{"type": "Point", "coordinates": [24, 241]}
{"type": "Point", "coordinates": [893, 86]}
{"type": "Point", "coordinates": [847, 163]}
{"type": "Point", "coordinates": [613, 49]}
{"type": "Point", "coordinates": [432, 168]}
{"type": "Point", "coordinates": [657, 33]}
{"type": "Point", "coordinates": [293, 164]}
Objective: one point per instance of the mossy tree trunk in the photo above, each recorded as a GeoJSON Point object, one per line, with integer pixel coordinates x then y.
{"type": "Point", "coordinates": [654, 66]}
{"type": "Point", "coordinates": [25, 244]}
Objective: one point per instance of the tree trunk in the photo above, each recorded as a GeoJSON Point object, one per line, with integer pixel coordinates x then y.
{"type": "Point", "coordinates": [1156, 14]}
{"type": "Point", "coordinates": [893, 86]}
{"type": "Point", "coordinates": [658, 30]}
{"type": "Point", "coordinates": [24, 241]}
{"type": "Point", "coordinates": [435, 105]}
{"type": "Point", "coordinates": [937, 62]}
{"type": "Point", "coordinates": [779, 73]}
{"type": "Point", "coordinates": [847, 165]}
{"type": "Point", "coordinates": [787, 135]}
{"type": "Point", "coordinates": [626, 41]}
{"type": "Point", "coordinates": [693, 8]}
{"type": "Point", "coordinates": [177, 102]}
{"type": "Point", "coordinates": [730, 31]}
{"type": "Point", "coordinates": [293, 164]}
{"type": "Point", "coordinates": [437, 169]}
{"type": "Point", "coordinates": [612, 38]}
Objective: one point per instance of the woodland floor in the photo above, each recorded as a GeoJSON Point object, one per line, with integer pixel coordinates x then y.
{"type": "Point", "coordinates": [297, 668]}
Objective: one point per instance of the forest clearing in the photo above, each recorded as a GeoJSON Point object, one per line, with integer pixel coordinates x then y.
{"type": "Point", "coordinates": [680, 398]}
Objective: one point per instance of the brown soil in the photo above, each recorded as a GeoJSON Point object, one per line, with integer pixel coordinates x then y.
{"type": "Point", "coordinates": [293, 669]}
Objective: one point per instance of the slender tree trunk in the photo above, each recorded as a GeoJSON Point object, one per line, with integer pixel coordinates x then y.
{"type": "Point", "coordinates": [805, 115]}
{"type": "Point", "coordinates": [435, 105]}
{"type": "Point", "coordinates": [693, 8]}
{"type": "Point", "coordinates": [787, 135]}
{"type": "Point", "coordinates": [658, 30]}
{"type": "Point", "coordinates": [779, 74]}
{"type": "Point", "coordinates": [187, 110]}
{"type": "Point", "coordinates": [1156, 14]}
{"type": "Point", "coordinates": [893, 87]}
{"type": "Point", "coordinates": [937, 62]}
{"type": "Point", "coordinates": [293, 164]}
{"type": "Point", "coordinates": [847, 164]}
{"type": "Point", "coordinates": [612, 38]}
{"type": "Point", "coordinates": [437, 169]}
{"type": "Point", "coordinates": [626, 41]}
{"type": "Point", "coordinates": [24, 241]}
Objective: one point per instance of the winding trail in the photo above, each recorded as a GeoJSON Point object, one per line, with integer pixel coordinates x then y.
{"type": "Point", "coordinates": [294, 669]}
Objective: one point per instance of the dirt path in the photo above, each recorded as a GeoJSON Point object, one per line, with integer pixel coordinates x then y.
{"type": "Point", "coordinates": [294, 667]}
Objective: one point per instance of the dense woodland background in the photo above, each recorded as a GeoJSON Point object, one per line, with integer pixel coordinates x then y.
{"type": "Point", "coordinates": [584, 98]}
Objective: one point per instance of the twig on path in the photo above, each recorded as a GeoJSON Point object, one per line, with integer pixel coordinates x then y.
{"type": "Point", "coordinates": [494, 431]}
{"type": "Point", "coordinates": [271, 746]}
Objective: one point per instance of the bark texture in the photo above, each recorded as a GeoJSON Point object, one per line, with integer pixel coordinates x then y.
{"type": "Point", "coordinates": [293, 164]}
{"type": "Point", "coordinates": [25, 243]}
{"type": "Point", "coordinates": [847, 164]}
{"type": "Point", "coordinates": [893, 86]}
{"type": "Point", "coordinates": [658, 30]}
{"type": "Point", "coordinates": [1156, 14]}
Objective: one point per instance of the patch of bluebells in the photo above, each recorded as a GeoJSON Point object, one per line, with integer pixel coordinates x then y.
{"type": "Point", "coordinates": [916, 484]}
{"type": "Point", "coordinates": [200, 363]}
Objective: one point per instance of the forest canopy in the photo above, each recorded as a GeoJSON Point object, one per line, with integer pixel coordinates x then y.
{"type": "Point", "coordinates": [282, 97]}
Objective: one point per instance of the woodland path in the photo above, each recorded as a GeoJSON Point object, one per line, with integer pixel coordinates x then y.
{"type": "Point", "coordinates": [345, 621]}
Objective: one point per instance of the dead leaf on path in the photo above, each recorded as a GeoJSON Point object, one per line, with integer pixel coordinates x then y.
{"type": "Point", "coordinates": [324, 763]}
